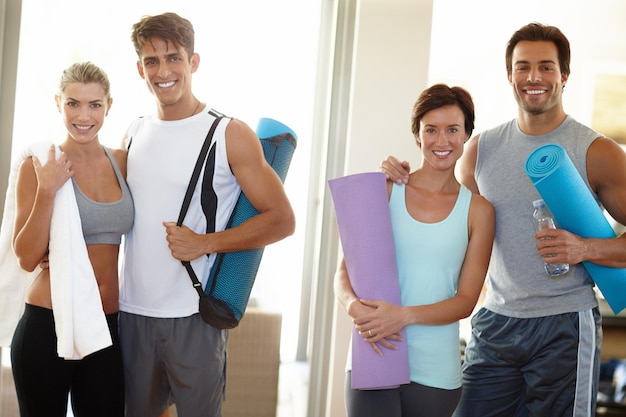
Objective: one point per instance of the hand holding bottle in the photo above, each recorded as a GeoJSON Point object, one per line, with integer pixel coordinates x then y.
{"type": "Point", "coordinates": [543, 219]}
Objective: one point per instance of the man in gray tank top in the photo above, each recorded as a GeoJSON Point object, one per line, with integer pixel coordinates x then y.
{"type": "Point", "coordinates": [535, 346]}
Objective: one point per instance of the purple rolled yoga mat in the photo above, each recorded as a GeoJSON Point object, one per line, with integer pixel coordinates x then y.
{"type": "Point", "coordinates": [364, 223]}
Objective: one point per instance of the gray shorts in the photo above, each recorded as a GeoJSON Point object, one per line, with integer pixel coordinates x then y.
{"type": "Point", "coordinates": [179, 360]}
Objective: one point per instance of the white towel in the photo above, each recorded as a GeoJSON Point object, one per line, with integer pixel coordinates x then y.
{"type": "Point", "coordinates": [80, 322]}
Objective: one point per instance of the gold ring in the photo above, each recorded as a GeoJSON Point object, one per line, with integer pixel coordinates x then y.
{"type": "Point", "coordinates": [370, 332]}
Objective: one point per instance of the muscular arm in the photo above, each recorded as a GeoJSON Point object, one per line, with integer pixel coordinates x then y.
{"type": "Point", "coordinates": [606, 172]}
{"type": "Point", "coordinates": [262, 187]}
{"type": "Point", "coordinates": [398, 171]}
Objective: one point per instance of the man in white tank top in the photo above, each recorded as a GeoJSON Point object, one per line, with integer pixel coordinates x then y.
{"type": "Point", "coordinates": [535, 346]}
{"type": "Point", "coordinates": [170, 354]}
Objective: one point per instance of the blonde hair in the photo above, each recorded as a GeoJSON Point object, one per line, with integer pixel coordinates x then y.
{"type": "Point", "coordinates": [85, 73]}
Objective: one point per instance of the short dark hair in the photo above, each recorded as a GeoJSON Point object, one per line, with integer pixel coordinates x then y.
{"type": "Point", "coordinates": [535, 32]}
{"type": "Point", "coordinates": [440, 95]}
{"type": "Point", "coordinates": [167, 26]}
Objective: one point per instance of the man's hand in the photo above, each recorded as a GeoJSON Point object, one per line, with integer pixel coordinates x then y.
{"type": "Point", "coordinates": [395, 170]}
{"type": "Point", "coordinates": [560, 246]}
{"type": "Point", "coordinates": [184, 244]}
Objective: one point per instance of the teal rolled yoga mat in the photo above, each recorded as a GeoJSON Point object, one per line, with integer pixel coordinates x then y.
{"type": "Point", "coordinates": [575, 209]}
{"type": "Point", "coordinates": [232, 274]}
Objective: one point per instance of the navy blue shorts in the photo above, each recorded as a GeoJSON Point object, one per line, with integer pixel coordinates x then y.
{"type": "Point", "coordinates": [546, 366]}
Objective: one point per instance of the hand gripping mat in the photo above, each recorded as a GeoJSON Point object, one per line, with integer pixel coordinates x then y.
{"type": "Point", "coordinates": [364, 223]}
{"type": "Point", "coordinates": [575, 209]}
{"type": "Point", "coordinates": [232, 275]}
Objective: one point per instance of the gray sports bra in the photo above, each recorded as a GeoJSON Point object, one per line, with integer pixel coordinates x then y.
{"type": "Point", "coordinates": [105, 223]}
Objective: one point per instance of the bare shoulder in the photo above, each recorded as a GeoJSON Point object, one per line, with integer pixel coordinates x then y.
{"type": "Point", "coordinates": [120, 157]}
{"type": "Point", "coordinates": [481, 220]}
{"type": "Point", "coordinates": [26, 170]}
{"type": "Point", "coordinates": [243, 147]}
{"type": "Point", "coordinates": [117, 152]}
{"type": "Point", "coordinates": [604, 148]}
{"type": "Point", "coordinates": [481, 206]}
{"type": "Point", "coordinates": [238, 130]}
{"type": "Point", "coordinates": [606, 163]}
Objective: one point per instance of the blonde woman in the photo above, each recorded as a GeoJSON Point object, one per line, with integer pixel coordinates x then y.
{"type": "Point", "coordinates": [43, 380]}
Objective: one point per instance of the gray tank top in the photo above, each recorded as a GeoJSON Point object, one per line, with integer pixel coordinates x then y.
{"type": "Point", "coordinates": [517, 283]}
{"type": "Point", "coordinates": [105, 223]}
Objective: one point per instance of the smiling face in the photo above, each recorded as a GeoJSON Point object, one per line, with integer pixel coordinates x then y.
{"type": "Point", "coordinates": [167, 70]}
{"type": "Point", "coordinates": [83, 108]}
{"type": "Point", "coordinates": [536, 77]}
{"type": "Point", "coordinates": [442, 136]}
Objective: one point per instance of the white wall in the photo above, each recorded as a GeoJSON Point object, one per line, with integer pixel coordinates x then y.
{"type": "Point", "coordinates": [391, 69]}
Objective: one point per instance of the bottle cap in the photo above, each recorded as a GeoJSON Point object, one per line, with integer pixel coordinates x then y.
{"type": "Point", "coordinates": [539, 203]}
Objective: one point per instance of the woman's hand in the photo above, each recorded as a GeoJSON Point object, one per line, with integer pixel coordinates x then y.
{"type": "Point", "coordinates": [379, 323]}
{"type": "Point", "coordinates": [54, 173]}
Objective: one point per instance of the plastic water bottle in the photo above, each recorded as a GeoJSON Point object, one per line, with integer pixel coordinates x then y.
{"type": "Point", "coordinates": [543, 219]}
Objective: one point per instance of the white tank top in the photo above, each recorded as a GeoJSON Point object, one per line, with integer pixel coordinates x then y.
{"type": "Point", "coordinates": [161, 158]}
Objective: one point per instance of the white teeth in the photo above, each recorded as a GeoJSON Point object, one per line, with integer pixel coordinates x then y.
{"type": "Point", "coordinates": [165, 85]}
{"type": "Point", "coordinates": [532, 92]}
{"type": "Point", "coordinates": [79, 127]}
{"type": "Point", "coordinates": [441, 153]}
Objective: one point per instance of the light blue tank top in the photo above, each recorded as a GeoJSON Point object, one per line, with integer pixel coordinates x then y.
{"type": "Point", "coordinates": [430, 257]}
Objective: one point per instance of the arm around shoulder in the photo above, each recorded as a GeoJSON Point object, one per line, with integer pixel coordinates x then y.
{"type": "Point", "coordinates": [467, 164]}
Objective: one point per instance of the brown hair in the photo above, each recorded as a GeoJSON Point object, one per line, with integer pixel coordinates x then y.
{"type": "Point", "coordinates": [167, 26]}
{"type": "Point", "coordinates": [440, 95]}
{"type": "Point", "coordinates": [535, 32]}
{"type": "Point", "coordinates": [85, 73]}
